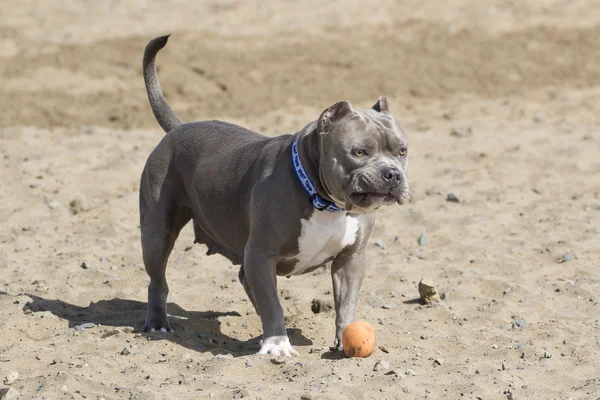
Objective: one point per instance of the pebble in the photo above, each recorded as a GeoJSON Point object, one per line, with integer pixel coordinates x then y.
{"type": "Point", "coordinates": [380, 244]}
{"type": "Point", "coordinates": [392, 372]}
{"type": "Point", "coordinates": [410, 372]}
{"type": "Point", "coordinates": [249, 363]}
{"type": "Point", "coordinates": [240, 393]}
{"type": "Point", "coordinates": [318, 306]}
{"type": "Point", "coordinates": [494, 346]}
{"type": "Point", "coordinates": [8, 394]}
{"type": "Point", "coordinates": [422, 240]}
{"type": "Point", "coordinates": [547, 355]}
{"type": "Point", "coordinates": [575, 196]}
{"type": "Point", "coordinates": [234, 280]}
{"type": "Point", "coordinates": [521, 346]}
{"type": "Point", "coordinates": [277, 361]}
{"type": "Point", "coordinates": [396, 239]}
{"type": "Point", "coordinates": [504, 366]}
{"type": "Point", "coordinates": [83, 265]}
{"type": "Point", "coordinates": [519, 323]}
{"type": "Point", "coordinates": [53, 205]}
{"type": "Point", "coordinates": [227, 356]}
{"type": "Point", "coordinates": [375, 301]}
{"type": "Point", "coordinates": [427, 292]}
{"type": "Point", "coordinates": [110, 333]}
{"type": "Point", "coordinates": [438, 361]}
{"type": "Point", "coordinates": [11, 378]}
{"type": "Point", "coordinates": [125, 351]}
{"type": "Point", "coordinates": [566, 258]}
{"type": "Point", "coordinates": [109, 279]}
{"type": "Point", "coordinates": [77, 206]}
{"type": "Point", "coordinates": [452, 198]}
{"type": "Point", "coordinates": [381, 365]}
{"type": "Point", "coordinates": [389, 306]}
{"type": "Point", "coordinates": [245, 324]}
{"type": "Point", "coordinates": [85, 325]}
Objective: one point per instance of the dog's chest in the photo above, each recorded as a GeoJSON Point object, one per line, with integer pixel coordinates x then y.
{"type": "Point", "coordinates": [322, 237]}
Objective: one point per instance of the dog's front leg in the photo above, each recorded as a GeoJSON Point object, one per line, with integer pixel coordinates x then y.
{"type": "Point", "coordinates": [347, 273]}
{"type": "Point", "coordinates": [260, 275]}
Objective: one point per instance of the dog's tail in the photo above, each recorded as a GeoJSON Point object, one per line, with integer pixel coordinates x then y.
{"type": "Point", "coordinates": [164, 114]}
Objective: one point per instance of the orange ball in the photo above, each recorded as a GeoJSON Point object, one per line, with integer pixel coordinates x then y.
{"type": "Point", "coordinates": [358, 339]}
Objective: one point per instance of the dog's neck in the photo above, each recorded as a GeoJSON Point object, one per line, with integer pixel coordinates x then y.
{"type": "Point", "coordinates": [310, 156]}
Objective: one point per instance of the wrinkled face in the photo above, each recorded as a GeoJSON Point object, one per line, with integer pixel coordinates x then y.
{"type": "Point", "coordinates": [364, 161]}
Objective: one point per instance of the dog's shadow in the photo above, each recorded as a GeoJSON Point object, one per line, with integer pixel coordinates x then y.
{"type": "Point", "coordinates": [197, 330]}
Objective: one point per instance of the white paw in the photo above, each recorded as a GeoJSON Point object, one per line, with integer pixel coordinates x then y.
{"type": "Point", "coordinates": [278, 346]}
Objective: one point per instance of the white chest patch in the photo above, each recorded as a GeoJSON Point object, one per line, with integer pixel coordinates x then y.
{"type": "Point", "coordinates": [323, 236]}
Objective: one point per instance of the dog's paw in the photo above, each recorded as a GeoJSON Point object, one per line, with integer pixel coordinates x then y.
{"type": "Point", "coordinates": [337, 345]}
{"type": "Point", "coordinates": [150, 327]}
{"type": "Point", "coordinates": [278, 346]}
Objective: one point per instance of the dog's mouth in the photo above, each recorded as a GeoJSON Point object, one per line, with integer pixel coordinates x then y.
{"type": "Point", "coordinates": [369, 199]}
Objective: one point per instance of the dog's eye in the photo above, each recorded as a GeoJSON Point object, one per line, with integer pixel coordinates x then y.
{"type": "Point", "coordinates": [403, 151]}
{"type": "Point", "coordinates": [358, 153]}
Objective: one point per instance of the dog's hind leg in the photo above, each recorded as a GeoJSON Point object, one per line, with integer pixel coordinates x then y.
{"type": "Point", "coordinates": [159, 228]}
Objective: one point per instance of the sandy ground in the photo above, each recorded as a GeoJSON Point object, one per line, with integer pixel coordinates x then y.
{"type": "Point", "coordinates": [500, 101]}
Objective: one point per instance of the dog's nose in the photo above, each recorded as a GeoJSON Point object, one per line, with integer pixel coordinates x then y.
{"type": "Point", "coordinates": [391, 175]}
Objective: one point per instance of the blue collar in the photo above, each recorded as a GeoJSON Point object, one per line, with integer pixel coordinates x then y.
{"type": "Point", "coordinates": [317, 201]}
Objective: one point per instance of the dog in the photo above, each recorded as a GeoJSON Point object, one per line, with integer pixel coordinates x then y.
{"type": "Point", "coordinates": [283, 205]}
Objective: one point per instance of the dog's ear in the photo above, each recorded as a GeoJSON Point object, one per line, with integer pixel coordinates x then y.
{"type": "Point", "coordinates": [381, 105]}
{"type": "Point", "coordinates": [333, 114]}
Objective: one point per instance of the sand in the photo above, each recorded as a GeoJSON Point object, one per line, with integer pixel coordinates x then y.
{"type": "Point", "coordinates": [500, 101]}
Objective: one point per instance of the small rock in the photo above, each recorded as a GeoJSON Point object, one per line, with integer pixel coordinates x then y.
{"type": "Point", "coordinates": [53, 205]}
{"type": "Point", "coordinates": [234, 280]}
{"type": "Point", "coordinates": [547, 355]}
{"type": "Point", "coordinates": [427, 292]}
{"type": "Point", "coordinates": [381, 365]}
{"type": "Point", "coordinates": [494, 346]}
{"type": "Point", "coordinates": [389, 306]}
{"type": "Point", "coordinates": [83, 265]}
{"type": "Point", "coordinates": [384, 349]}
{"type": "Point", "coordinates": [523, 355]}
{"type": "Point", "coordinates": [64, 388]}
{"type": "Point", "coordinates": [227, 356]}
{"type": "Point", "coordinates": [452, 198]}
{"type": "Point", "coordinates": [375, 301]}
{"type": "Point", "coordinates": [245, 324]}
{"type": "Point", "coordinates": [396, 239]}
{"type": "Point", "coordinates": [11, 378]}
{"type": "Point", "coordinates": [318, 306]}
{"type": "Point", "coordinates": [277, 361]}
{"type": "Point", "coordinates": [503, 366]}
{"type": "Point", "coordinates": [109, 279]}
{"type": "Point", "coordinates": [240, 393]}
{"type": "Point", "coordinates": [576, 196]}
{"type": "Point", "coordinates": [521, 346]}
{"type": "Point", "coordinates": [249, 363]}
{"type": "Point", "coordinates": [77, 206]}
{"type": "Point", "coordinates": [86, 325]}
{"type": "Point", "coordinates": [438, 361]}
{"type": "Point", "coordinates": [110, 333]}
{"type": "Point", "coordinates": [380, 244]}
{"type": "Point", "coordinates": [8, 394]}
{"type": "Point", "coordinates": [125, 351]}
{"type": "Point", "coordinates": [392, 372]}
{"type": "Point", "coordinates": [566, 258]}
{"type": "Point", "coordinates": [422, 240]}
{"type": "Point", "coordinates": [518, 323]}
{"type": "Point", "coordinates": [410, 372]}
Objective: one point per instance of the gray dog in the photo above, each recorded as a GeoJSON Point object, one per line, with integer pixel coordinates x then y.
{"type": "Point", "coordinates": [276, 206]}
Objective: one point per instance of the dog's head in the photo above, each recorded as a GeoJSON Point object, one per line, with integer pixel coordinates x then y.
{"type": "Point", "coordinates": [363, 156]}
